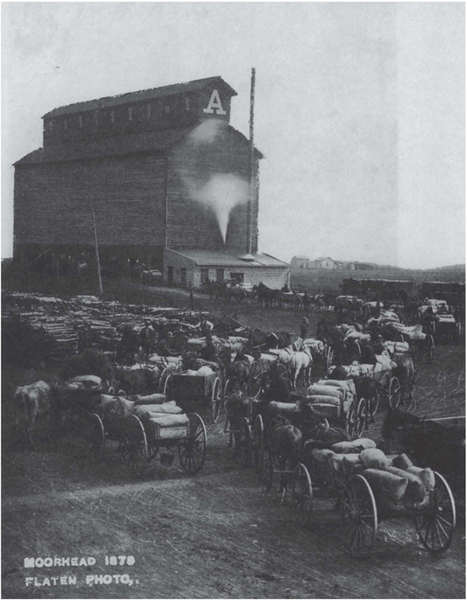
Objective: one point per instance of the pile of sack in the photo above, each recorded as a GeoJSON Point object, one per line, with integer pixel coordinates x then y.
{"type": "Point", "coordinates": [396, 349]}
{"type": "Point", "coordinates": [395, 478]}
{"type": "Point", "coordinates": [329, 397]}
{"type": "Point", "coordinates": [162, 418]}
{"type": "Point", "coordinates": [414, 332]}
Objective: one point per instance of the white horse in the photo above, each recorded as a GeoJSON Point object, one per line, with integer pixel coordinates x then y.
{"type": "Point", "coordinates": [296, 359]}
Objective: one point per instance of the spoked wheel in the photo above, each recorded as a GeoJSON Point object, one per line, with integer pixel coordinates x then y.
{"type": "Point", "coordinates": [374, 400]}
{"type": "Point", "coordinates": [282, 370]}
{"type": "Point", "coordinates": [246, 440]}
{"type": "Point", "coordinates": [430, 348]}
{"type": "Point", "coordinates": [359, 514]}
{"type": "Point", "coordinates": [254, 379]}
{"type": "Point", "coordinates": [258, 444]}
{"type": "Point", "coordinates": [351, 420]}
{"type": "Point", "coordinates": [394, 394]}
{"type": "Point", "coordinates": [267, 474]}
{"type": "Point", "coordinates": [137, 446]}
{"type": "Point", "coordinates": [435, 526]}
{"type": "Point", "coordinates": [192, 450]}
{"type": "Point", "coordinates": [97, 437]}
{"type": "Point", "coordinates": [302, 494]}
{"type": "Point", "coordinates": [216, 399]}
{"type": "Point", "coordinates": [361, 417]}
{"type": "Point", "coordinates": [164, 381]}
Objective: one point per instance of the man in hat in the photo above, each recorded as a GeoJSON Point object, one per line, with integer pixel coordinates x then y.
{"type": "Point", "coordinates": [278, 389]}
{"type": "Point", "coordinates": [164, 346]}
{"type": "Point", "coordinates": [147, 336]}
{"type": "Point", "coordinates": [208, 352]}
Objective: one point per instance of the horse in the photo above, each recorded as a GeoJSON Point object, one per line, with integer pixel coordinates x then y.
{"type": "Point", "coordinates": [285, 444]}
{"type": "Point", "coordinates": [405, 372]}
{"type": "Point", "coordinates": [265, 295]}
{"type": "Point", "coordinates": [431, 444]}
{"type": "Point", "coordinates": [296, 361]}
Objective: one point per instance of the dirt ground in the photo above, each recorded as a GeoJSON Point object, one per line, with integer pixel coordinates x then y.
{"type": "Point", "coordinates": [217, 534]}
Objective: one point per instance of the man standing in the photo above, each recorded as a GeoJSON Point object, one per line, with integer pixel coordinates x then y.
{"type": "Point", "coordinates": [304, 329]}
{"type": "Point", "coordinates": [147, 336]}
{"type": "Point", "coordinates": [164, 346]}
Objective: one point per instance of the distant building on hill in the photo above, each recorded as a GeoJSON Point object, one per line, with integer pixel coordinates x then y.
{"type": "Point", "coordinates": [324, 262]}
{"type": "Point", "coordinates": [300, 262]}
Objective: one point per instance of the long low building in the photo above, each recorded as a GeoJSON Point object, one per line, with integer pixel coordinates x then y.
{"type": "Point", "coordinates": [185, 267]}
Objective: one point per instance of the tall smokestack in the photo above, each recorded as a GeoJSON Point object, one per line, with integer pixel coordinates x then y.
{"type": "Point", "coordinates": [252, 162]}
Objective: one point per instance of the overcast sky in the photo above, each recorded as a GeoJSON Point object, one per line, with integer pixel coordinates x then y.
{"type": "Point", "coordinates": [359, 108]}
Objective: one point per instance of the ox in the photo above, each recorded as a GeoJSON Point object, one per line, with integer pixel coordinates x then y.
{"type": "Point", "coordinates": [30, 402]}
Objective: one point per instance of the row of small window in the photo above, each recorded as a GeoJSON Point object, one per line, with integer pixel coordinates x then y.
{"type": "Point", "coordinates": [112, 115]}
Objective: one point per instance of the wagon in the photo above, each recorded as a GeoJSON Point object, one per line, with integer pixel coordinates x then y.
{"type": "Point", "coordinates": [422, 344]}
{"type": "Point", "coordinates": [176, 384]}
{"type": "Point", "coordinates": [364, 502]}
{"type": "Point", "coordinates": [139, 440]}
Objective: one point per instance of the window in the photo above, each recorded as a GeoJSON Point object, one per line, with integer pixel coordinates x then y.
{"type": "Point", "coordinates": [65, 124]}
{"type": "Point", "coordinates": [187, 103]}
{"type": "Point", "coordinates": [112, 116]}
{"type": "Point", "coordinates": [204, 275]}
{"type": "Point", "coordinates": [183, 276]}
{"type": "Point", "coordinates": [50, 125]}
{"type": "Point", "coordinates": [220, 274]}
{"type": "Point", "coordinates": [167, 108]}
{"type": "Point", "coordinates": [80, 120]}
{"type": "Point", "coordinates": [130, 113]}
{"type": "Point", "coordinates": [148, 111]}
{"type": "Point", "coordinates": [96, 118]}
{"type": "Point", "coordinates": [237, 276]}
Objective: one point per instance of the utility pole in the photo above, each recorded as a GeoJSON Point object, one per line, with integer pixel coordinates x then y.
{"type": "Point", "coordinates": [252, 190]}
{"type": "Point", "coordinates": [101, 291]}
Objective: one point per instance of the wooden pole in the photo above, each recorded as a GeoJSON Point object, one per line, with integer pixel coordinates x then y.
{"type": "Point", "coordinates": [101, 291]}
{"type": "Point", "coordinates": [252, 162]}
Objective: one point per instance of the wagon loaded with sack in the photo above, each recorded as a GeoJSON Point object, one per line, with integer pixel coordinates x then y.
{"type": "Point", "coordinates": [139, 425]}
{"type": "Point", "coordinates": [370, 487]}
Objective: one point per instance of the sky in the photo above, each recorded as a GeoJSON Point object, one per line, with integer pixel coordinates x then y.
{"type": "Point", "coordinates": [359, 108]}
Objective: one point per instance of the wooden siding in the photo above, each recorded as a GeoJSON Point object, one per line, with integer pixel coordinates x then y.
{"type": "Point", "coordinates": [53, 202]}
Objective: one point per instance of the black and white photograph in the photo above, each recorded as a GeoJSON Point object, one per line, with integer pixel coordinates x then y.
{"type": "Point", "coordinates": [233, 300]}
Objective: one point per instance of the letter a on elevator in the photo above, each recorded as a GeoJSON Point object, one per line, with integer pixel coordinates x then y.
{"type": "Point", "coordinates": [215, 105]}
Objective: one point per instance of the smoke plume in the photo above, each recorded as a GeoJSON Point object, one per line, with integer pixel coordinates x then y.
{"type": "Point", "coordinates": [203, 172]}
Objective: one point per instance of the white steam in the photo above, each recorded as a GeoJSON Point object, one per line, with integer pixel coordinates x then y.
{"type": "Point", "coordinates": [207, 131]}
{"type": "Point", "coordinates": [221, 194]}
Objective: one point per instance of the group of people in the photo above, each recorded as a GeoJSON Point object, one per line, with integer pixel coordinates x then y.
{"type": "Point", "coordinates": [148, 341]}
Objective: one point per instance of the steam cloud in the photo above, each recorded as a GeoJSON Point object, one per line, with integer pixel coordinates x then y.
{"type": "Point", "coordinates": [222, 192]}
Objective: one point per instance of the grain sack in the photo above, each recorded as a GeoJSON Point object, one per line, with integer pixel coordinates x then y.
{"type": "Point", "coordinates": [427, 476]}
{"type": "Point", "coordinates": [401, 462]}
{"type": "Point", "coordinates": [324, 390]}
{"type": "Point", "coordinates": [150, 410]}
{"type": "Point", "coordinates": [106, 399]}
{"type": "Point", "coordinates": [324, 400]}
{"type": "Point", "coordinates": [204, 371]}
{"type": "Point", "coordinates": [322, 456]}
{"type": "Point", "coordinates": [347, 385]}
{"type": "Point", "coordinates": [87, 380]}
{"type": "Point", "coordinates": [393, 485]}
{"type": "Point", "coordinates": [415, 489]}
{"type": "Point", "coordinates": [275, 408]}
{"type": "Point", "coordinates": [169, 420]}
{"type": "Point", "coordinates": [151, 399]}
{"type": "Point", "coordinates": [353, 446]}
{"type": "Point", "coordinates": [374, 459]}
{"type": "Point", "coordinates": [124, 407]}
{"type": "Point", "coordinates": [191, 372]}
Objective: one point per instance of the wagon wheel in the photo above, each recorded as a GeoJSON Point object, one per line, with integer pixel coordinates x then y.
{"type": "Point", "coordinates": [268, 470]}
{"type": "Point", "coordinates": [164, 381]}
{"type": "Point", "coordinates": [361, 417]}
{"type": "Point", "coordinates": [137, 446]}
{"type": "Point", "coordinates": [359, 514]}
{"type": "Point", "coordinates": [351, 420]}
{"type": "Point", "coordinates": [282, 370]}
{"type": "Point", "coordinates": [302, 494]}
{"type": "Point", "coordinates": [435, 526]}
{"type": "Point", "coordinates": [430, 348]}
{"type": "Point", "coordinates": [374, 400]}
{"type": "Point", "coordinates": [246, 440]}
{"type": "Point", "coordinates": [254, 379]}
{"type": "Point", "coordinates": [192, 449]}
{"type": "Point", "coordinates": [258, 445]}
{"type": "Point", "coordinates": [122, 393]}
{"type": "Point", "coordinates": [394, 393]}
{"type": "Point", "coordinates": [216, 399]}
{"type": "Point", "coordinates": [97, 437]}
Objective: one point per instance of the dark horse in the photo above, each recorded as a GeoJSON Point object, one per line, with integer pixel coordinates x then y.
{"type": "Point", "coordinates": [431, 444]}
{"type": "Point", "coordinates": [266, 295]}
{"type": "Point", "coordinates": [405, 372]}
